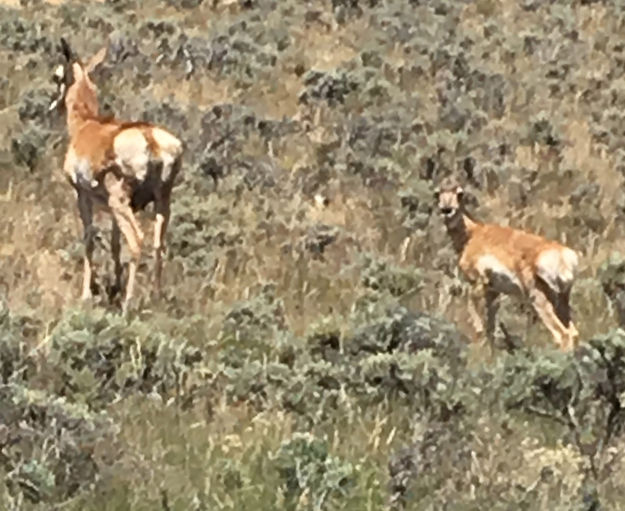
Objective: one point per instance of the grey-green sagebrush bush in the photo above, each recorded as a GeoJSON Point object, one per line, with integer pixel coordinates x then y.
{"type": "Point", "coordinates": [96, 359]}
{"type": "Point", "coordinates": [311, 476]}
{"type": "Point", "coordinates": [17, 336]}
{"type": "Point", "coordinates": [581, 392]}
{"type": "Point", "coordinates": [59, 441]}
{"type": "Point", "coordinates": [28, 147]}
{"type": "Point", "coordinates": [383, 276]}
{"type": "Point", "coordinates": [411, 358]}
{"type": "Point", "coordinates": [612, 278]}
{"type": "Point", "coordinates": [572, 401]}
{"type": "Point", "coordinates": [49, 445]}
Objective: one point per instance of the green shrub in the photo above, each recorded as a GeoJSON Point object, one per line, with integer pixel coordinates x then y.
{"type": "Point", "coordinates": [98, 358]}
{"type": "Point", "coordinates": [582, 392]}
{"type": "Point", "coordinates": [49, 445]}
{"type": "Point", "coordinates": [312, 477]}
{"type": "Point", "coordinates": [612, 277]}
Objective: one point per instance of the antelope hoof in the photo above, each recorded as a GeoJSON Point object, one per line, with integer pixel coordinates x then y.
{"type": "Point", "coordinates": [480, 340]}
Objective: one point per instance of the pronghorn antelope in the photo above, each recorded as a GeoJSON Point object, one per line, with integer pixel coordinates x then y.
{"type": "Point", "coordinates": [121, 165]}
{"type": "Point", "coordinates": [497, 259]}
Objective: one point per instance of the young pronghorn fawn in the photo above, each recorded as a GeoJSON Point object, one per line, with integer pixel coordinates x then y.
{"type": "Point", "coordinates": [122, 166]}
{"type": "Point", "coordinates": [497, 259]}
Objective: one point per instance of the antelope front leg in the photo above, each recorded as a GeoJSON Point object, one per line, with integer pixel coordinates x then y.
{"type": "Point", "coordinates": [476, 309]}
{"type": "Point", "coordinates": [490, 298]}
{"type": "Point", "coordinates": [85, 208]}
{"type": "Point", "coordinates": [160, 229]}
{"type": "Point", "coordinates": [116, 253]}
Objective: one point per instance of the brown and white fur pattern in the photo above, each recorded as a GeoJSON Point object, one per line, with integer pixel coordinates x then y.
{"type": "Point", "coordinates": [501, 260]}
{"type": "Point", "coordinates": [120, 165]}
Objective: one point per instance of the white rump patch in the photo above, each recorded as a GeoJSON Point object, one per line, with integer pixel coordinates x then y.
{"type": "Point", "coordinates": [500, 277]}
{"type": "Point", "coordinates": [82, 172]}
{"type": "Point", "coordinates": [79, 169]}
{"type": "Point", "coordinates": [556, 266]}
{"type": "Point", "coordinates": [571, 261]}
{"type": "Point", "coordinates": [170, 147]}
{"type": "Point", "coordinates": [132, 153]}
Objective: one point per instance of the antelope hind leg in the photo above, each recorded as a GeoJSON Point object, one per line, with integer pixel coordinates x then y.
{"type": "Point", "coordinates": [134, 237]}
{"type": "Point", "coordinates": [546, 312]}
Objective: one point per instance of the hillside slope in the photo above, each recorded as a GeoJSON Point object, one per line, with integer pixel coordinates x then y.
{"type": "Point", "coordinates": [316, 352]}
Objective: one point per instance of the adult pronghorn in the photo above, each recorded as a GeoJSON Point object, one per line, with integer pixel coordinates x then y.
{"type": "Point", "coordinates": [121, 165]}
{"type": "Point", "coordinates": [497, 259]}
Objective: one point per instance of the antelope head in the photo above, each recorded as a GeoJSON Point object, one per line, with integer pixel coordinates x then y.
{"type": "Point", "coordinates": [73, 82]}
{"type": "Point", "coordinates": [449, 196]}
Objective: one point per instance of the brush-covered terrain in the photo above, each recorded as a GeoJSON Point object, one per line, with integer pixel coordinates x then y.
{"type": "Point", "coordinates": [312, 348]}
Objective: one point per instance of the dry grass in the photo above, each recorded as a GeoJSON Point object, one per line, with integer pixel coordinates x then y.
{"type": "Point", "coordinates": [199, 92]}
{"type": "Point", "coordinates": [18, 4]}
{"type": "Point", "coordinates": [324, 49]}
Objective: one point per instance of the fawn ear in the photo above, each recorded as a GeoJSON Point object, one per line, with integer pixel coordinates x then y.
{"type": "Point", "coordinates": [96, 60]}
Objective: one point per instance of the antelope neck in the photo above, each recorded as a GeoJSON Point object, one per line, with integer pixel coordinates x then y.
{"type": "Point", "coordinates": [460, 228]}
{"type": "Point", "coordinates": [82, 105]}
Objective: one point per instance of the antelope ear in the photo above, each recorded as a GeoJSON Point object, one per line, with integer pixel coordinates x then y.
{"type": "Point", "coordinates": [77, 71]}
{"type": "Point", "coordinates": [96, 60]}
{"type": "Point", "coordinates": [66, 50]}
